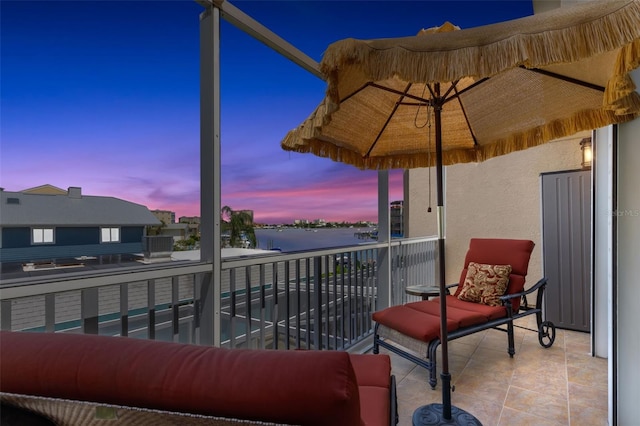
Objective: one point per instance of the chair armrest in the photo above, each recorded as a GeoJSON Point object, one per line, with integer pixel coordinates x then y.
{"type": "Point", "coordinates": [448, 286]}
{"type": "Point", "coordinates": [541, 283]}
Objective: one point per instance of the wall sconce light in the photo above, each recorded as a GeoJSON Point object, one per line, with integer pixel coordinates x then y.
{"type": "Point", "coordinates": [587, 153]}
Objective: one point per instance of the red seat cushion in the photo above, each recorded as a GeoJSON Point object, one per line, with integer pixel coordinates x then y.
{"type": "Point", "coordinates": [463, 317]}
{"type": "Point", "coordinates": [489, 312]}
{"type": "Point", "coordinates": [413, 323]}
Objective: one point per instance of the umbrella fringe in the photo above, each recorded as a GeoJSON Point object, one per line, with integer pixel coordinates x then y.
{"type": "Point", "coordinates": [616, 27]}
{"type": "Point", "coordinates": [618, 95]}
{"type": "Point", "coordinates": [585, 120]}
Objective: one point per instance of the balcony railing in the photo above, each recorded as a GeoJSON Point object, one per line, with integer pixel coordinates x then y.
{"type": "Point", "coordinates": [321, 299]}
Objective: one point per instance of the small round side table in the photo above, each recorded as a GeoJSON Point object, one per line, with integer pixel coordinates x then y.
{"type": "Point", "coordinates": [424, 291]}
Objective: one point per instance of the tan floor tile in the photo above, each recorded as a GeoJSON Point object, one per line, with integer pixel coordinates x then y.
{"type": "Point", "coordinates": [531, 338]}
{"type": "Point", "coordinates": [503, 366]}
{"type": "Point", "coordinates": [587, 376]}
{"type": "Point", "coordinates": [542, 382]}
{"type": "Point", "coordinates": [537, 355]}
{"type": "Point", "coordinates": [585, 360]}
{"type": "Point", "coordinates": [588, 396]}
{"type": "Point", "coordinates": [587, 416]}
{"type": "Point", "coordinates": [462, 348]}
{"type": "Point", "coordinates": [512, 417]}
{"type": "Point", "coordinates": [545, 405]}
{"type": "Point", "coordinates": [472, 339]}
{"type": "Point", "coordinates": [411, 395]}
{"type": "Point", "coordinates": [562, 385]}
{"type": "Point", "coordinates": [486, 412]}
{"type": "Point", "coordinates": [499, 345]}
{"type": "Point", "coordinates": [489, 388]}
{"type": "Point", "coordinates": [534, 367]}
{"type": "Point", "coordinates": [577, 337]}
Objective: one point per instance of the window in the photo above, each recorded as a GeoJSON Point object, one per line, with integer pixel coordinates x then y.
{"type": "Point", "coordinates": [109, 235]}
{"type": "Point", "coordinates": [42, 235]}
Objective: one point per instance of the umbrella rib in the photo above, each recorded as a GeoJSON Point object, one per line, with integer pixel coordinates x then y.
{"type": "Point", "coordinates": [395, 108]}
{"type": "Point", "coordinates": [398, 92]}
{"type": "Point", "coordinates": [453, 86]}
{"type": "Point", "coordinates": [565, 78]}
{"type": "Point", "coordinates": [464, 112]}
{"type": "Point", "coordinates": [466, 89]}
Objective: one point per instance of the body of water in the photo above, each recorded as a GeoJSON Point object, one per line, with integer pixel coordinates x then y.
{"type": "Point", "coordinates": [296, 239]}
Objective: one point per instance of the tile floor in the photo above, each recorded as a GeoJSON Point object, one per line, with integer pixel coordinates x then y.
{"type": "Point", "coordinates": [561, 385]}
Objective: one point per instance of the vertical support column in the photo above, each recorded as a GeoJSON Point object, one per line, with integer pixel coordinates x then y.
{"type": "Point", "coordinates": [5, 315]}
{"type": "Point", "coordinates": [89, 310]}
{"type": "Point", "coordinates": [210, 180]}
{"type": "Point", "coordinates": [603, 198]}
{"type": "Point", "coordinates": [124, 310]}
{"type": "Point", "coordinates": [175, 308]}
{"type": "Point", "coordinates": [151, 309]}
{"type": "Point", "coordinates": [317, 305]}
{"type": "Point", "coordinates": [384, 236]}
{"type": "Point", "coordinates": [50, 312]}
{"type": "Point", "coordinates": [626, 344]}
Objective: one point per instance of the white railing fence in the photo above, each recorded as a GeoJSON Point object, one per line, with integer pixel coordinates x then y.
{"type": "Point", "coordinates": [320, 299]}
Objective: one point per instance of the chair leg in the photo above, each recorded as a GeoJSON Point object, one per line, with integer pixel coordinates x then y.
{"type": "Point", "coordinates": [512, 346]}
{"type": "Point", "coordinates": [431, 356]}
{"type": "Point", "coordinates": [376, 346]}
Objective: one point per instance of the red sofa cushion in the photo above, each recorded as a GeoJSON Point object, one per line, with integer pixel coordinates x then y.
{"type": "Point", "coordinates": [374, 403]}
{"type": "Point", "coordinates": [373, 373]}
{"type": "Point", "coordinates": [266, 385]}
{"type": "Point", "coordinates": [372, 370]}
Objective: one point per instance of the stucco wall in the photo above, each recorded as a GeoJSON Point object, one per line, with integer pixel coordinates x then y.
{"type": "Point", "coordinates": [498, 198]}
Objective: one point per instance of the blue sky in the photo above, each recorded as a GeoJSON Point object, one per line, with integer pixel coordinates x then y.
{"type": "Point", "coordinates": [105, 95]}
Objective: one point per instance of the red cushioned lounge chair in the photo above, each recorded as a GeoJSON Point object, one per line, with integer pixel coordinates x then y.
{"type": "Point", "coordinates": [490, 294]}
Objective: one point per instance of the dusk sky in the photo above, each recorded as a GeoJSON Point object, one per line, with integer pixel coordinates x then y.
{"type": "Point", "coordinates": [104, 95]}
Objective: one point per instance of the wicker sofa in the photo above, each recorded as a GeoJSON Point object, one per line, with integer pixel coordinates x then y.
{"type": "Point", "coordinates": [75, 379]}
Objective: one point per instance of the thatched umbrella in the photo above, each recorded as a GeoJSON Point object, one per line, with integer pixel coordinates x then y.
{"type": "Point", "coordinates": [488, 91]}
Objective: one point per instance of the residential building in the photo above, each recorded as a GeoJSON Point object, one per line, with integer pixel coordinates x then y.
{"type": "Point", "coordinates": [397, 218]}
{"type": "Point", "coordinates": [189, 219]}
{"type": "Point", "coordinates": [165, 216]}
{"type": "Point", "coordinates": [193, 223]}
{"type": "Point", "coordinates": [46, 223]}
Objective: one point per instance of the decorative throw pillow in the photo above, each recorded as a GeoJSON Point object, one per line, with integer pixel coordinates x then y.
{"type": "Point", "coordinates": [485, 283]}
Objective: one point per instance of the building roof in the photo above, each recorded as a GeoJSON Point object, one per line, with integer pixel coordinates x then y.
{"type": "Point", "coordinates": [70, 209]}
{"type": "Point", "coordinates": [45, 189]}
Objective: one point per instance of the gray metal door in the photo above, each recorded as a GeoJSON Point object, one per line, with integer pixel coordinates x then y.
{"type": "Point", "coordinates": [566, 239]}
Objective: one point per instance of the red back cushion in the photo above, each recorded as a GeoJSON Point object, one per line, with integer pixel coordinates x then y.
{"type": "Point", "coordinates": [293, 387]}
{"type": "Point", "coordinates": [494, 251]}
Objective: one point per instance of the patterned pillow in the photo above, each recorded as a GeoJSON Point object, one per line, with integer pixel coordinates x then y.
{"type": "Point", "coordinates": [485, 283]}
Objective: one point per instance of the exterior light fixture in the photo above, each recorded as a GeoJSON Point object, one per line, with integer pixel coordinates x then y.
{"type": "Point", "coordinates": [587, 154]}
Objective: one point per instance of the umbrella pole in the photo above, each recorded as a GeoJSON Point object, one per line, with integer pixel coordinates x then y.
{"type": "Point", "coordinates": [442, 414]}
{"type": "Point", "coordinates": [445, 376]}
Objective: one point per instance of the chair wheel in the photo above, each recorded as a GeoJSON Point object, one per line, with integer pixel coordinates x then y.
{"type": "Point", "coordinates": [546, 334]}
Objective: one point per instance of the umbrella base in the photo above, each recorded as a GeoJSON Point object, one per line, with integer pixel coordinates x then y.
{"type": "Point", "coordinates": [432, 415]}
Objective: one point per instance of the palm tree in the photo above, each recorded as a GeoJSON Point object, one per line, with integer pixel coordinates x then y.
{"type": "Point", "coordinates": [240, 226]}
